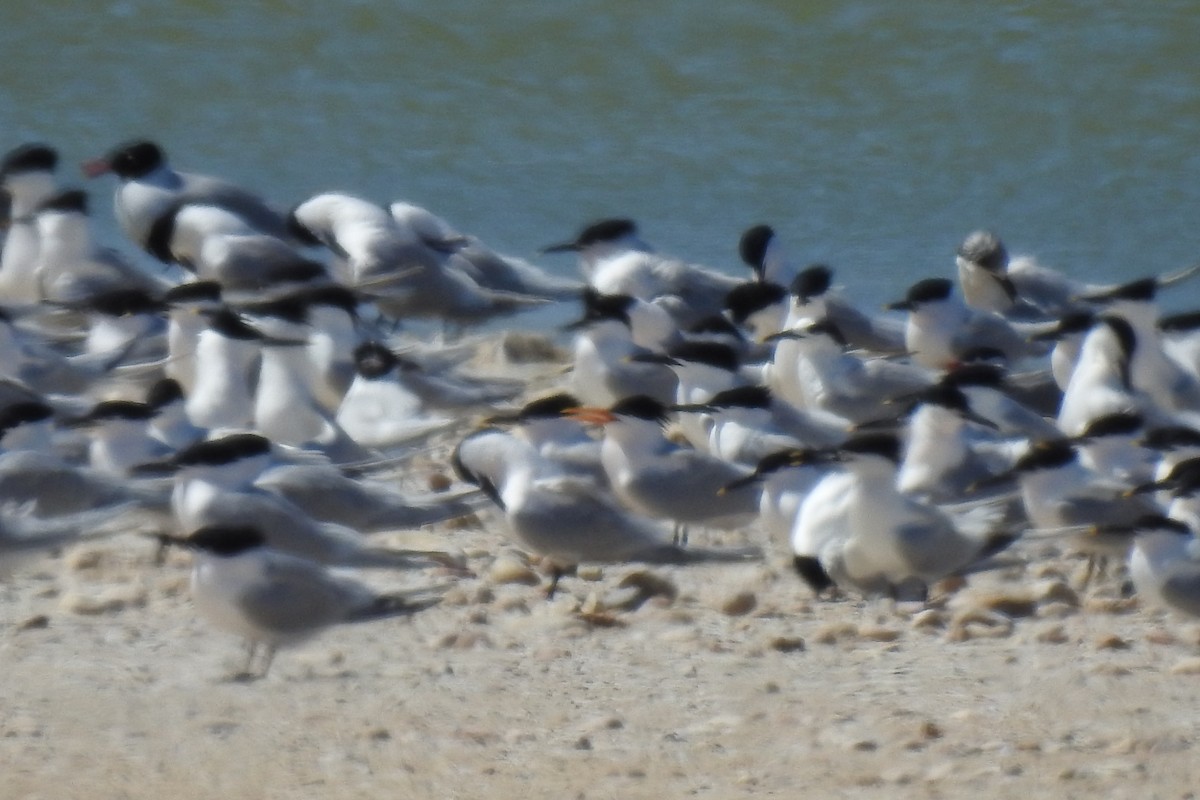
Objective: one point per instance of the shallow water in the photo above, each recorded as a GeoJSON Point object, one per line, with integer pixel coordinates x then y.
{"type": "Point", "coordinates": [872, 135]}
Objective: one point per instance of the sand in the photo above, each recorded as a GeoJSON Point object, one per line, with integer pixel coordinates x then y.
{"type": "Point", "coordinates": [711, 681]}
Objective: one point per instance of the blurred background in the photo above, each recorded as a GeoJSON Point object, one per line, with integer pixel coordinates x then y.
{"type": "Point", "coordinates": [872, 135]}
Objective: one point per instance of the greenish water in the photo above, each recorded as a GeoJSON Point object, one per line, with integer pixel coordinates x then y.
{"type": "Point", "coordinates": [872, 135]}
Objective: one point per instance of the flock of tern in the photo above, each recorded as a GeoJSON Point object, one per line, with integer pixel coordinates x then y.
{"type": "Point", "coordinates": [247, 381]}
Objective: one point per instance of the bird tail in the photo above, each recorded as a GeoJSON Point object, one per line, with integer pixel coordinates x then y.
{"type": "Point", "coordinates": [397, 604]}
{"type": "Point", "coordinates": [673, 554]}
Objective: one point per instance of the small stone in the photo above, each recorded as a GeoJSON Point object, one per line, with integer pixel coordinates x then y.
{"type": "Point", "coordinates": [1112, 642]}
{"type": "Point", "coordinates": [878, 633]}
{"type": "Point", "coordinates": [507, 569]}
{"type": "Point", "coordinates": [379, 734]}
{"type": "Point", "coordinates": [739, 604]}
{"type": "Point", "coordinates": [80, 559]}
{"type": "Point", "coordinates": [1111, 605]}
{"type": "Point", "coordinates": [1057, 610]}
{"type": "Point", "coordinates": [1011, 605]}
{"type": "Point", "coordinates": [439, 482]}
{"type": "Point", "coordinates": [106, 602]}
{"type": "Point", "coordinates": [1053, 634]}
{"type": "Point", "coordinates": [1188, 666]}
{"type": "Point", "coordinates": [865, 746]}
{"type": "Point", "coordinates": [590, 573]}
{"type": "Point", "coordinates": [929, 730]}
{"type": "Point", "coordinates": [34, 623]}
{"type": "Point", "coordinates": [787, 644]}
{"type": "Point", "coordinates": [929, 619]}
{"type": "Point", "coordinates": [583, 743]}
{"type": "Point", "coordinates": [456, 596]}
{"type": "Point", "coordinates": [1055, 591]}
{"type": "Point", "coordinates": [834, 632]}
{"type": "Point", "coordinates": [771, 687]}
{"type": "Point", "coordinates": [464, 640]}
{"type": "Point", "coordinates": [1161, 636]}
{"type": "Point", "coordinates": [973, 623]}
{"type": "Point", "coordinates": [640, 586]}
{"type": "Point", "coordinates": [519, 347]}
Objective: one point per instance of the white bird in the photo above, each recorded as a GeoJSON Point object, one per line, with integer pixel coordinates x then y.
{"type": "Point", "coordinates": [170, 424]}
{"type": "Point", "coordinates": [987, 389]}
{"type": "Point", "coordinates": [403, 276]}
{"type": "Point", "coordinates": [215, 484]}
{"type": "Point", "coordinates": [941, 328]}
{"type": "Point", "coordinates": [661, 479]}
{"type": "Point", "coordinates": [148, 187]}
{"type": "Point", "coordinates": [483, 265]}
{"type": "Point", "coordinates": [31, 472]}
{"type": "Point", "coordinates": [70, 265]}
{"type": "Point", "coordinates": [123, 325]}
{"type": "Point", "coordinates": [564, 518]}
{"type": "Point", "coordinates": [1152, 369]}
{"type": "Point", "coordinates": [1164, 564]}
{"type": "Point", "coordinates": [273, 599]}
{"type": "Point", "coordinates": [749, 422]}
{"type": "Point", "coordinates": [286, 406]}
{"type": "Point", "coordinates": [379, 408]}
{"type": "Point", "coordinates": [1101, 382]}
{"type": "Point", "coordinates": [120, 436]}
{"type": "Point", "coordinates": [188, 305]}
{"type": "Point", "coordinates": [615, 260]}
{"type": "Point", "coordinates": [216, 244]}
{"type": "Point", "coordinates": [702, 369]}
{"type": "Point", "coordinates": [606, 367]}
{"type": "Point", "coordinates": [945, 454]}
{"type": "Point", "coordinates": [1020, 286]}
{"type": "Point", "coordinates": [546, 425]}
{"type": "Point", "coordinates": [227, 355]}
{"type": "Point", "coordinates": [830, 379]}
{"type": "Point", "coordinates": [27, 177]}
{"type": "Point", "coordinates": [1060, 492]}
{"type": "Point", "coordinates": [787, 477]}
{"type": "Point", "coordinates": [894, 544]}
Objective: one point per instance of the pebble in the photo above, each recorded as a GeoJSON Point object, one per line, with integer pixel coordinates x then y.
{"type": "Point", "coordinates": [1055, 591]}
{"type": "Point", "coordinates": [1057, 610]}
{"type": "Point", "coordinates": [1052, 634]}
{"type": "Point", "coordinates": [878, 633]}
{"type": "Point", "coordinates": [1112, 642]}
{"type": "Point", "coordinates": [439, 482]}
{"type": "Point", "coordinates": [520, 347]}
{"type": "Point", "coordinates": [832, 633]}
{"type": "Point", "coordinates": [975, 623]}
{"type": "Point", "coordinates": [787, 644]}
{"type": "Point", "coordinates": [739, 604]}
{"type": "Point", "coordinates": [1111, 605]}
{"type": "Point", "coordinates": [1160, 636]}
{"type": "Point", "coordinates": [1188, 666]}
{"type": "Point", "coordinates": [508, 569]}
{"type": "Point", "coordinates": [34, 623]}
{"type": "Point", "coordinates": [1011, 605]}
{"type": "Point", "coordinates": [928, 619]}
{"type": "Point", "coordinates": [108, 601]}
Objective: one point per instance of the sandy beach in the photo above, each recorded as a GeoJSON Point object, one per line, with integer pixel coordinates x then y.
{"type": "Point", "coordinates": [706, 681]}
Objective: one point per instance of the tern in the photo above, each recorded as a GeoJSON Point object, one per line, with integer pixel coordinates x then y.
{"type": "Point", "coordinates": [273, 599]}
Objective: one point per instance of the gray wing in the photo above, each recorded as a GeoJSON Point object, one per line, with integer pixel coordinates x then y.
{"type": "Point", "coordinates": [571, 520]}
{"type": "Point", "coordinates": [685, 486]}
{"type": "Point", "coordinates": [256, 262]}
{"type": "Point", "coordinates": [296, 597]}
{"type": "Point", "coordinates": [246, 204]}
